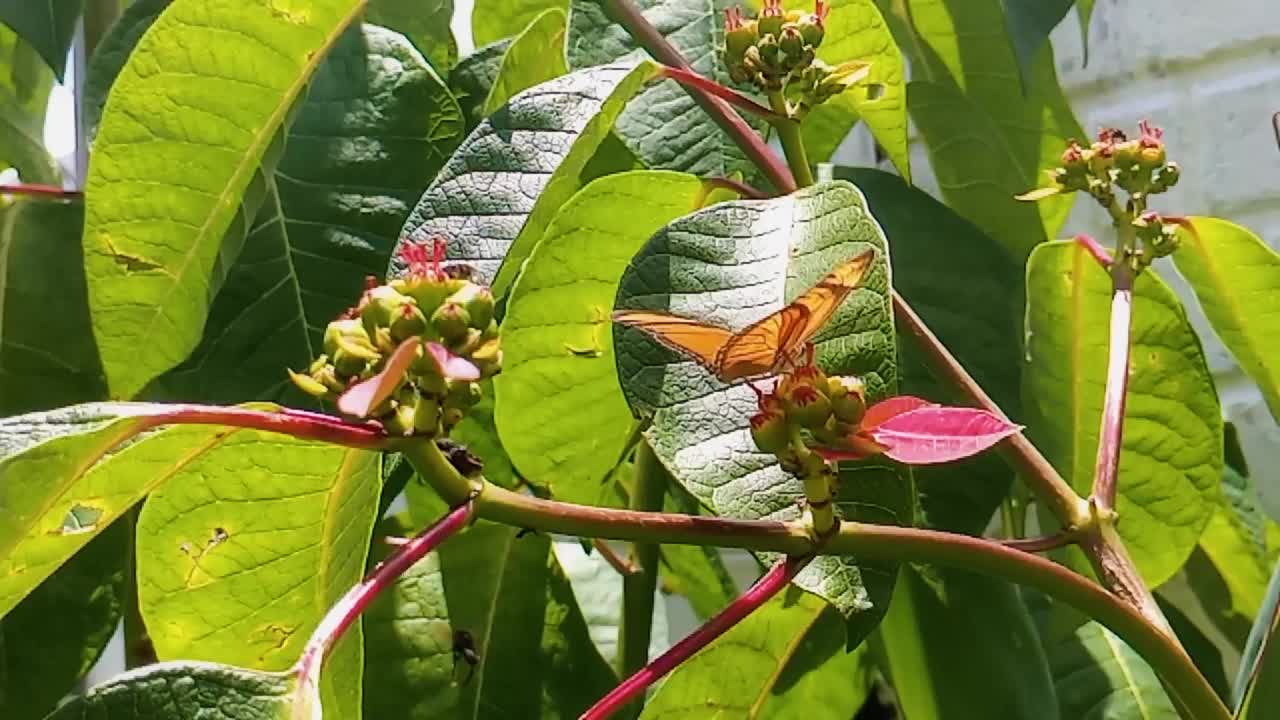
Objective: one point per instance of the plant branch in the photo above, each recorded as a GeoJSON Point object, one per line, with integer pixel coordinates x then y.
{"type": "Point", "coordinates": [792, 143]}
{"type": "Point", "coordinates": [43, 191]}
{"type": "Point", "coordinates": [638, 588]}
{"type": "Point", "coordinates": [345, 612]}
{"type": "Point", "coordinates": [298, 423]}
{"type": "Point", "coordinates": [1040, 544]}
{"type": "Point", "coordinates": [732, 185]}
{"type": "Point", "coordinates": [758, 594]}
{"type": "Point", "coordinates": [1035, 469]}
{"type": "Point", "coordinates": [628, 16]}
{"type": "Point", "coordinates": [689, 78]}
{"type": "Point", "coordinates": [1110, 435]}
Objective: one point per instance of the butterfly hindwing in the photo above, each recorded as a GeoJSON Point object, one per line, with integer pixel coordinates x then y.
{"type": "Point", "coordinates": [697, 340]}
{"type": "Point", "coordinates": [759, 348]}
{"type": "Point", "coordinates": [824, 298]}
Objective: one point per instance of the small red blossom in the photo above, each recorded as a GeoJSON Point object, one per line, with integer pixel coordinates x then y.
{"type": "Point", "coordinates": [1073, 154]}
{"type": "Point", "coordinates": [820, 11]}
{"type": "Point", "coordinates": [772, 8]}
{"type": "Point", "coordinates": [803, 395]}
{"type": "Point", "coordinates": [423, 263]}
{"type": "Point", "coordinates": [732, 18]}
{"type": "Point", "coordinates": [1151, 136]}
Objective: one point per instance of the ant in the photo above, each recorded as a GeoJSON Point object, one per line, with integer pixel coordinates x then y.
{"type": "Point", "coordinates": [464, 646]}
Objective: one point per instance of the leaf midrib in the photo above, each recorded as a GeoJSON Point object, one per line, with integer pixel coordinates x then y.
{"type": "Point", "coordinates": [766, 688]}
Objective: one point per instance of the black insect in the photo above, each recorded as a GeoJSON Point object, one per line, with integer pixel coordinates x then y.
{"type": "Point", "coordinates": [464, 647]}
{"type": "Point", "coordinates": [460, 457]}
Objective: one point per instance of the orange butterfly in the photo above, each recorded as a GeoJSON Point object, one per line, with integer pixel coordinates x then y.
{"type": "Point", "coordinates": [764, 347]}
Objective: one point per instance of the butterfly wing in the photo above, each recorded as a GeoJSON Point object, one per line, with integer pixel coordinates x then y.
{"type": "Point", "coordinates": [697, 340]}
{"type": "Point", "coordinates": [757, 349]}
{"type": "Point", "coordinates": [824, 298]}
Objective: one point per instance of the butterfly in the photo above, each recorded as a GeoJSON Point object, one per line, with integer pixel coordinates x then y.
{"type": "Point", "coordinates": [764, 347]}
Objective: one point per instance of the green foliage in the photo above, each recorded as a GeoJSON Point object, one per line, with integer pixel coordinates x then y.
{"type": "Point", "coordinates": [1171, 460]}
{"type": "Point", "coordinates": [186, 690]}
{"type": "Point", "coordinates": [493, 20]}
{"type": "Point", "coordinates": [47, 26]}
{"type": "Point", "coordinates": [424, 22]}
{"type": "Point", "coordinates": [525, 63]}
{"type": "Point", "coordinates": [24, 92]}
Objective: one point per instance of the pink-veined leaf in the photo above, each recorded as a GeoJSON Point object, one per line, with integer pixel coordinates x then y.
{"type": "Point", "coordinates": [360, 399]}
{"type": "Point", "coordinates": [857, 446]}
{"type": "Point", "coordinates": [934, 434]}
{"type": "Point", "coordinates": [883, 411]}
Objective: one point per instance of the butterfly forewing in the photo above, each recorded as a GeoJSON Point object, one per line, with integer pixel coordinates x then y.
{"type": "Point", "coordinates": [760, 348]}
{"type": "Point", "coordinates": [699, 341]}
{"type": "Point", "coordinates": [824, 298]}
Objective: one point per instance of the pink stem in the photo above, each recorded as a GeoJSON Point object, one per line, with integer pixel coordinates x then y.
{"type": "Point", "coordinates": [343, 614]}
{"type": "Point", "coordinates": [1099, 253]}
{"type": "Point", "coordinates": [737, 186]}
{"type": "Point", "coordinates": [766, 587]}
{"type": "Point", "coordinates": [690, 78]}
{"type": "Point", "coordinates": [298, 423]}
{"type": "Point", "coordinates": [1111, 434]}
{"type": "Point", "coordinates": [47, 191]}
{"type": "Point", "coordinates": [1039, 544]}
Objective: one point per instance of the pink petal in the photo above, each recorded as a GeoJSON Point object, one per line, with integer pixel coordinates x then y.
{"type": "Point", "coordinates": [937, 434]}
{"type": "Point", "coordinates": [881, 412]}
{"type": "Point", "coordinates": [360, 399]}
{"type": "Point", "coordinates": [856, 447]}
{"type": "Point", "coordinates": [451, 366]}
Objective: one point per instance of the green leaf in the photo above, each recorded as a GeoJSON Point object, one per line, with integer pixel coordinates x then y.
{"type": "Point", "coordinates": [987, 140]}
{"type": "Point", "coordinates": [479, 432]}
{"type": "Point", "coordinates": [47, 355]}
{"type": "Point", "coordinates": [695, 571]}
{"type": "Point", "coordinates": [182, 690]}
{"type": "Point", "coordinates": [855, 30]}
{"type": "Point", "coordinates": [424, 22]}
{"type": "Point", "coordinates": [25, 82]}
{"type": "Point", "coordinates": [70, 618]}
{"type": "Point", "coordinates": [241, 555]}
{"type": "Point", "coordinates": [1029, 23]}
{"type": "Point", "coordinates": [560, 410]}
{"type": "Point", "coordinates": [112, 53]}
{"type": "Point", "coordinates": [493, 20]}
{"type": "Point", "coordinates": [1097, 676]}
{"type": "Point", "coordinates": [944, 281]}
{"type": "Point", "coordinates": [1236, 276]}
{"type": "Point", "coordinates": [408, 646]}
{"type": "Point", "coordinates": [48, 26]}
{"type": "Point", "coordinates": [525, 63]}
{"type": "Point", "coordinates": [1206, 656]}
{"type": "Point", "coordinates": [663, 126]}
{"type": "Point", "coordinates": [67, 474]}
{"type": "Point", "coordinates": [153, 266]}
{"type": "Point", "coordinates": [577, 673]}
{"type": "Point", "coordinates": [1084, 13]}
{"type": "Point", "coordinates": [472, 80]}
{"type": "Point", "coordinates": [1255, 692]}
{"type": "Point", "coordinates": [960, 645]}
{"type": "Point", "coordinates": [509, 594]}
{"type": "Point", "coordinates": [787, 655]}
{"type": "Point", "coordinates": [498, 192]}
{"type": "Point", "coordinates": [699, 426]}
{"type": "Point", "coordinates": [1171, 459]}
{"type": "Point", "coordinates": [338, 198]}
{"type": "Point", "coordinates": [598, 589]}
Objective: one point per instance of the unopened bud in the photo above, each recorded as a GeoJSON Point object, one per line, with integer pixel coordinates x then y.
{"type": "Point", "coordinates": [426, 416]}
{"type": "Point", "coordinates": [451, 322]}
{"type": "Point", "coordinates": [769, 431]}
{"type": "Point", "coordinates": [463, 394]}
{"type": "Point", "coordinates": [771, 18]}
{"type": "Point", "coordinates": [807, 406]}
{"type": "Point", "coordinates": [479, 303]}
{"type": "Point", "coordinates": [848, 399]}
{"type": "Point", "coordinates": [488, 357]}
{"type": "Point", "coordinates": [309, 385]}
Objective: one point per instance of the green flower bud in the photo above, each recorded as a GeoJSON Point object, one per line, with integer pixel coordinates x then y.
{"type": "Point", "coordinates": [848, 399]}
{"type": "Point", "coordinates": [1126, 154]}
{"type": "Point", "coordinates": [811, 28]}
{"type": "Point", "coordinates": [409, 323]}
{"type": "Point", "coordinates": [771, 18]}
{"type": "Point", "coordinates": [479, 303]}
{"type": "Point", "coordinates": [309, 385]}
{"type": "Point", "coordinates": [488, 357]}
{"type": "Point", "coordinates": [463, 394]}
{"type": "Point", "coordinates": [329, 378]}
{"type": "Point", "coordinates": [428, 292]}
{"type": "Point", "coordinates": [769, 431]}
{"type": "Point", "coordinates": [807, 406]}
{"type": "Point", "coordinates": [426, 416]}
{"type": "Point", "coordinates": [348, 335]}
{"type": "Point", "coordinates": [1166, 177]}
{"type": "Point", "coordinates": [792, 44]}
{"type": "Point", "coordinates": [451, 321]}
{"type": "Point", "coordinates": [770, 53]}
{"type": "Point", "coordinates": [380, 306]}
{"type": "Point", "coordinates": [739, 35]}
{"type": "Point", "coordinates": [450, 417]}
{"type": "Point", "coordinates": [400, 421]}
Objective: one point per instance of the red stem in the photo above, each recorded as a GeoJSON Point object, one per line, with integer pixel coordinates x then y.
{"type": "Point", "coordinates": [45, 191]}
{"type": "Point", "coordinates": [688, 78]}
{"type": "Point", "coordinates": [298, 423]}
{"type": "Point", "coordinates": [737, 186]}
{"type": "Point", "coordinates": [1040, 544]}
{"type": "Point", "coordinates": [1099, 253]}
{"type": "Point", "coordinates": [758, 594]}
{"type": "Point", "coordinates": [1113, 401]}
{"type": "Point", "coordinates": [343, 614]}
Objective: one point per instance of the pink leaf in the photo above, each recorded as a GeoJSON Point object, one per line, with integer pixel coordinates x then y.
{"type": "Point", "coordinates": [360, 399]}
{"type": "Point", "coordinates": [935, 434]}
{"type": "Point", "coordinates": [451, 366]}
{"type": "Point", "coordinates": [855, 447]}
{"type": "Point", "coordinates": [881, 412]}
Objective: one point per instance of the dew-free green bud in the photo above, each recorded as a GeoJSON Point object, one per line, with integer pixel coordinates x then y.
{"type": "Point", "coordinates": [451, 322]}
{"type": "Point", "coordinates": [807, 407]}
{"type": "Point", "coordinates": [380, 306]}
{"type": "Point", "coordinates": [463, 394]}
{"type": "Point", "coordinates": [770, 52]}
{"type": "Point", "coordinates": [738, 37]}
{"type": "Point", "coordinates": [811, 28]}
{"type": "Point", "coordinates": [488, 357]}
{"type": "Point", "coordinates": [450, 417]}
{"type": "Point", "coordinates": [348, 335]}
{"type": "Point", "coordinates": [309, 385]}
{"type": "Point", "coordinates": [426, 416]}
{"type": "Point", "coordinates": [478, 300]}
{"type": "Point", "coordinates": [771, 18]}
{"type": "Point", "coordinates": [769, 431]}
{"type": "Point", "coordinates": [792, 44]}
{"type": "Point", "coordinates": [400, 421]}
{"type": "Point", "coordinates": [410, 322]}
{"type": "Point", "coordinates": [848, 399]}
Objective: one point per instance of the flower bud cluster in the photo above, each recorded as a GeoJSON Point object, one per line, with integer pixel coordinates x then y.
{"type": "Point", "coordinates": [1159, 237]}
{"type": "Point", "coordinates": [829, 408]}
{"type": "Point", "coordinates": [453, 318]}
{"type": "Point", "coordinates": [1140, 167]}
{"type": "Point", "coordinates": [775, 52]}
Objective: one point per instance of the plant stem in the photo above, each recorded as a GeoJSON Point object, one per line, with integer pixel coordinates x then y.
{"type": "Point", "coordinates": [44, 191]}
{"type": "Point", "coordinates": [298, 423]}
{"type": "Point", "coordinates": [724, 183]}
{"type": "Point", "coordinates": [345, 612]}
{"type": "Point", "coordinates": [689, 78]}
{"type": "Point", "coordinates": [1040, 544]}
{"type": "Point", "coordinates": [792, 143]}
{"type": "Point", "coordinates": [638, 588]}
{"type": "Point", "coordinates": [628, 16]}
{"type": "Point", "coordinates": [758, 594]}
{"type": "Point", "coordinates": [1032, 466]}
{"type": "Point", "coordinates": [1110, 436]}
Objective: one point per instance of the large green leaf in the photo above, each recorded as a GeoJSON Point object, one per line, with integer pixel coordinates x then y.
{"type": "Point", "coordinates": [1257, 690]}
{"type": "Point", "coordinates": [47, 355]}
{"type": "Point", "coordinates": [730, 264]}
{"type": "Point", "coordinates": [408, 647]}
{"type": "Point", "coordinates": [664, 126]}
{"type": "Point", "coordinates": [65, 475]}
{"type": "Point", "coordinates": [855, 30]}
{"type": "Point", "coordinates": [1171, 459]}
{"type": "Point", "coordinates": [424, 22]}
{"type": "Point", "coordinates": [111, 55]}
{"type": "Point", "coordinates": [534, 651]}
{"type": "Point", "coordinates": [49, 27]}
{"type": "Point", "coordinates": [472, 80]}
{"type": "Point", "coordinates": [697, 572]}
{"type": "Point", "coordinates": [163, 193]}
{"type": "Point", "coordinates": [786, 659]}
{"type": "Point", "coordinates": [52, 638]}
{"type": "Point", "coordinates": [525, 63]}
{"type": "Point", "coordinates": [987, 139]}
{"type": "Point", "coordinates": [185, 690]}
{"type": "Point", "coordinates": [498, 192]}
{"type": "Point", "coordinates": [945, 266]}
{"type": "Point", "coordinates": [559, 408]}
{"type": "Point", "coordinates": [1029, 23]}
{"type": "Point", "coordinates": [243, 552]}
{"type": "Point", "coordinates": [25, 82]}
{"type": "Point", "coordinates": [960, 646]}
{"type": "Point", "coordinates": [493, 20]}
{"type": "Point", "coordinates": [1236, 278]}
{"type": "Point", "coordinates": [376, 127]}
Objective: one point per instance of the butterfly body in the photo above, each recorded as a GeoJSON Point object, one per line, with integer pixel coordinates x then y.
{"type": "Point", "coordinates": [767, 345]}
